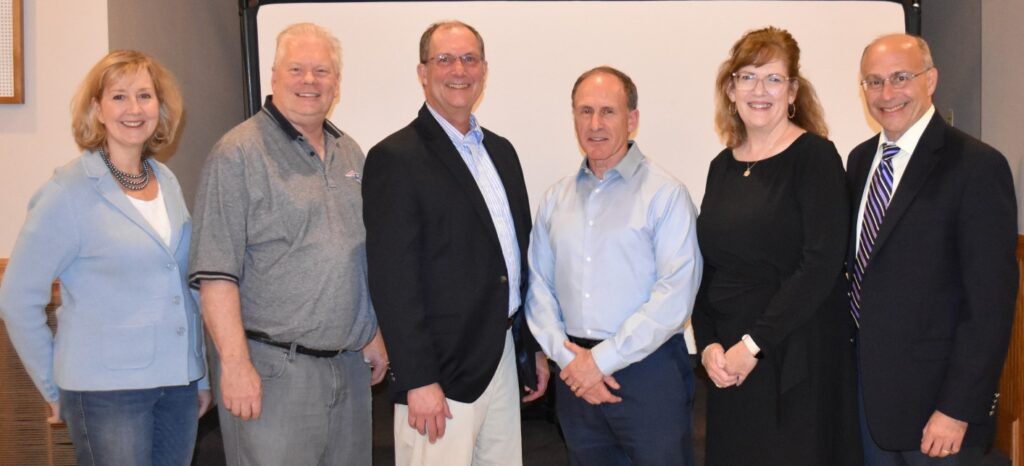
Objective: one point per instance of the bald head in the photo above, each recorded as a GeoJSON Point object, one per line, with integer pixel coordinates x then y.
{"type": "Point", "coordinates": [905, 41]}
{"type": "Point", "coordinates": [899, 102]}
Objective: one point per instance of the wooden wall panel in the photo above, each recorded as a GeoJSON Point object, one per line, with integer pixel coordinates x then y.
{"type": "Point", "coordinates": [25, 437]}
{"type": "Point", "coordinates": [1010, 418]}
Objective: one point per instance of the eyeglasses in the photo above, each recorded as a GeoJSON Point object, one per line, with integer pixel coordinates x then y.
{"type": "Point", "coordinates": [446, 60]}
{"type": "Point", "coordinates": [897, 80]}
{"type": "Point", "coordinates": [773, 83]}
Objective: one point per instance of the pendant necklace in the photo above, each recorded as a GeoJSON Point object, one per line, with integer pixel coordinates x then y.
{"type": "Point", "coordinates": [771, 148]}
{"type": "Point", "coordinates": [746, 172]}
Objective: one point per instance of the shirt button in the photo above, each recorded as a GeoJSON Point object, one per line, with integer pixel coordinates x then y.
{"type": "Point", "coordinates": [586, 295]}
{"type": "Point", "coordinates": [597, 190]}
{"type": "Point", "coordinates": [176, 300]}
{"type": "Point", "coordinates": [181, 331]}
{"type": "Point", "coordinates": [588, 258]}
{"type": "Point", "coordinates": [170, 266]}
{"type": "Point", "coordinates": [590, 222]}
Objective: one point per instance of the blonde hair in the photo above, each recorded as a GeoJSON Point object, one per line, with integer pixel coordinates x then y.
{"type": "Point", "coordinates": [757, 48]}
{"type": "Point", "coordinates": [90, 134]}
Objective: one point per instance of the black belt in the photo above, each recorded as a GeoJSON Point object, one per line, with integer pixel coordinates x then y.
{"type": "Point", "coordinates": [265, 339]}
{"type": "Point", "coordinates": [584, 342]}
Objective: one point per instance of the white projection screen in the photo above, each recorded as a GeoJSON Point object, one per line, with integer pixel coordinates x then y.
{"type": "Point", "coordinates": [536, 50]}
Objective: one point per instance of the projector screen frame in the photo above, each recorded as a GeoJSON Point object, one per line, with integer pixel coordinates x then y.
{"type": "Point", "coordinates": [248, 10]}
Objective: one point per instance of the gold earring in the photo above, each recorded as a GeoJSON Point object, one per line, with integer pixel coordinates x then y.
{"type": "Point", "coordinates": [792, 111]}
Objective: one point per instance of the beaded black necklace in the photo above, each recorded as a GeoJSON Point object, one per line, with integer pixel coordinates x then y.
{"type": "Point", "coordinates": [129, 181]}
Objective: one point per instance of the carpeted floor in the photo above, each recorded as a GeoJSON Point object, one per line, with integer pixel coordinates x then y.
{"type": "Point", "coordinates": [542, 442]}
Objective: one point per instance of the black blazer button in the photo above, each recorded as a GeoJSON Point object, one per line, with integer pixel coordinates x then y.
{"type": "Point", "coordinates": [503, 279]}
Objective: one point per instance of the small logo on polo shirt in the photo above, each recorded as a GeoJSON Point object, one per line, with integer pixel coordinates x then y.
{"type": "Point", "coordinates": [355, 176]}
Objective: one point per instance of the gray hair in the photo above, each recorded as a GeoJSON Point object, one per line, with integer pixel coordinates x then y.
{"type": "Point", "coordinates": [312, 30]}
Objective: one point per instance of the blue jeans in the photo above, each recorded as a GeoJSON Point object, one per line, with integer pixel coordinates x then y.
{"type": "Point", "coordinates": [653, 425]}
{"type": "Point", "coordinates": [153, 426]}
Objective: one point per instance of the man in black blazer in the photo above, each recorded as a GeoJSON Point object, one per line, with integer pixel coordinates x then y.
{"type": "Point", "coordinates": [932, 269]}
{"type": "Point", "coordinates": [447, 225]}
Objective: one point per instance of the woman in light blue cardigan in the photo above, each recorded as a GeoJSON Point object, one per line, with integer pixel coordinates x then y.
{"type": "Point", "coordinates": [126, 367]}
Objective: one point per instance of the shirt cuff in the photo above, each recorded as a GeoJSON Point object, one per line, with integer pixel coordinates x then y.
{"type": "Point", "coordinates": [748, 341]}
{"type": "Point", "coordinates": [607, 357]}
{"type": "Point", "coordinates": [196, 277]}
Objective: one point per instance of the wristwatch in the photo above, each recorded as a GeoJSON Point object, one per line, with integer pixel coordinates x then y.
{"type": "Point", "coordinates": [751, 346]}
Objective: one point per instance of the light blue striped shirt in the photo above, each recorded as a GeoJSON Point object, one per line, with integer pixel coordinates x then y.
{"type": "Point", "coordinates": [614, 260]}
{"type": "Point", "coordinates": [471, 148]}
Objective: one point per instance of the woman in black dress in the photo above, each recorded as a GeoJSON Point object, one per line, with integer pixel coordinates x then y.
{"type": "Point", "coordinates": [771, 316]}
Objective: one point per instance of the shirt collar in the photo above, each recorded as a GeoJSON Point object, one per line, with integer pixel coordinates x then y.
{"type": "Point", "coordinates": [271, 110]}
{"type": "Point", "coordinates": [626, 168]}
{"type": "Point", "coordinates": [908, 142]}
{"type": "Point", "coordinates": [475, 134]}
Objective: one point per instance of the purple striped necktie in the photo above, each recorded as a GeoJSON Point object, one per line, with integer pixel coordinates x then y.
{"type": "Point", "coordinates": [879, 195]}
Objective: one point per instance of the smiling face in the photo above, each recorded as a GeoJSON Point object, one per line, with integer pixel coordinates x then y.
{"type": "Point", "coordinates": [129, 110]}
{"type": "Point", "coordinates": [898, 109]}
{"type": "Point", "coordinates": [761, 107]}
{"type": "Point", "coordinates": [603, 120]}
{"type": "Point", "coordinates": [452, 91]}
{"type": "Point", "coordinates": [305, 81]}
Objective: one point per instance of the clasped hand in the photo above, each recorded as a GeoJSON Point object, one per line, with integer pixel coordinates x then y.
{"type": "Point", "coordinates": [728, 368]}
{"type": "Point", "coordinates": [586, 380]}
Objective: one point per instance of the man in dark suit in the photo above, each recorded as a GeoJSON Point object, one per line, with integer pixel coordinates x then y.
{"type": "Point", "coordinates": [932, 270]}
{"type": "Point", "coordinates": [447, 221]}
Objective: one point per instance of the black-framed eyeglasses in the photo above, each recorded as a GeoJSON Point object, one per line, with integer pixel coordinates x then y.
{"type": "Point", "coordinates": [897, 80]}
{"type": "Point", "coordinates": [773, 83]}
{"type": "Point", "coordinates": [446, 60]}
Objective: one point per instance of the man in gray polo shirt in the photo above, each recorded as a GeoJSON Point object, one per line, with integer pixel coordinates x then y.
{"type": "Point", "coordinates": [278, 255]}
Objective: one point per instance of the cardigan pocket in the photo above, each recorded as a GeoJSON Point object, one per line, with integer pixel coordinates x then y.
{"type": "Point", "coordinates": [128, 346]}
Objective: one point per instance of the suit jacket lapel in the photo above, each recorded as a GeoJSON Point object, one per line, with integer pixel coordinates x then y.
{"type": "Point", "coordinates": [922, 161]}
{"type": "Point", "coordinates": [441, 147]}
{"type": "Point", "coordinates": [109, 190]}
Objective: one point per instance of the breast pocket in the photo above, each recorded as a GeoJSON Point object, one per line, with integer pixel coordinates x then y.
{"type": "Point", "coordinates": [128, 346]}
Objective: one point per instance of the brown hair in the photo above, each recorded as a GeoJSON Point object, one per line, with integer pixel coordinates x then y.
{"type": "Point", "coordinates": [429, 33]}
{"type": "Point", "coordinates": [627, 83]}
{"type": "Point", "coordinates": [757, 48]}
{"type": "Point", "coordinates": [90, 134]}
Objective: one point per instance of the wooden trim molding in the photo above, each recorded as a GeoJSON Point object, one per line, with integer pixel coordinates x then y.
{"type": "Point", "coordinates": [25, 437]}
{"type": "Point", "coordinates": [1010, 416]}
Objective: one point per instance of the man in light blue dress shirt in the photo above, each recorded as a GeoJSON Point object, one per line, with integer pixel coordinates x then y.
{"type": "Point", "coordinates": [614, 270]}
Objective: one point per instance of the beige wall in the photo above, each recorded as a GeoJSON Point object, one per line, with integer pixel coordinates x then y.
{"type": "Point", "coordinates": [1002, 94]}
{"type": "Point", "coordinates": [62, 40]}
